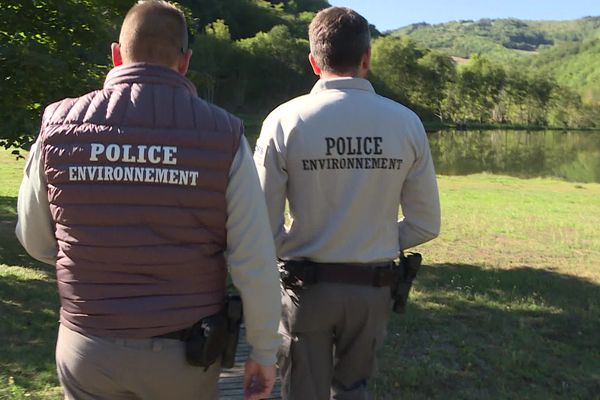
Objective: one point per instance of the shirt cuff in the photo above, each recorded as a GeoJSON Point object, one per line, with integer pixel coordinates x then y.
{"type": "Point", "coordinates": [264, 357]}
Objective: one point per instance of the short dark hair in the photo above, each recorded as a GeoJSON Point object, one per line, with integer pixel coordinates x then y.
{"type": "Point", "coordinates": [339, 37]}
{"type": "Point", "coordinates": [153, 31]}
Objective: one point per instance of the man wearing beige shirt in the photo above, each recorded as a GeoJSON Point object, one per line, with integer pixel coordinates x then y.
{"type": "Point", "coordinates": [143, 196]}
{"type": "Point", "coordinates": [346, 160]}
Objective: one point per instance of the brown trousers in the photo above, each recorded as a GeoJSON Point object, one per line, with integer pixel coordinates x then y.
{"type": "Point", "coordinates": [94, 368]}
{"type": "Point", "coordinates": [331, 333]}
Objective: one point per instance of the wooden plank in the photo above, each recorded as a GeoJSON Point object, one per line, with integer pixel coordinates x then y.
{"type": "Point", "coordinates": [231, 380]}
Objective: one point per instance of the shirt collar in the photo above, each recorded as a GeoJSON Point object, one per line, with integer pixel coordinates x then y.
{"type": "Point", "coordinates": [147, 73]}
{"type": "Point", "coordinates": [342, 84]}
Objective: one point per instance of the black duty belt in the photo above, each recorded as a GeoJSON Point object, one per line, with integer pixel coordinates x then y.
{"type": "Point", "coordinates": [304, 272]}
{"type": "Point", "coordinates": [182, 334]}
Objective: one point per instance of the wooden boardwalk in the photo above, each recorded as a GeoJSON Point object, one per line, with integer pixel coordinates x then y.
{"type": "Point", "coordinates": [232, 380]}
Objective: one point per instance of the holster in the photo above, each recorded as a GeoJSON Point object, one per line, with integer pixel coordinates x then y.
{"type": "Point", "coordinates": [206, 341]}
{"type": "Point", "coordinates": [234, 321]}
{"type": "Point", "coordinates": [213, 336]}
{"type": "Point", "coordinates": [406, 272]}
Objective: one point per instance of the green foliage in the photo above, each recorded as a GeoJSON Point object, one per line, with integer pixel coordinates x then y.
{"type": "Point", "coordinates": [566, 51]}
{"type": "Point", "coordinates": [49, 49]}
{"type": "Point", "coordinates": [275, 60]}
{"type": "Point", "coordinates": [250, 55]}
{"type": "Point", "coordinates": [575, 65]}
{"type": "Point", "coordinates": [438, 72]}
{"type": "Point", "coordinates": [395, 66]}
{"type": "Point", "coordinates": [540, 73]}
{"type": "Point", "coordinates": [463, 38]}
{"type": "Point", "coordinates": [246, 18]}
{"type": "Point", "coordinates": [213, 65]}
{"type": "Point", "coordinates": [412, 75]}
{"type": "Point", "coordinates": [480, 85]}
{"type": "Point", "coordinates": [480, 91]}
{"type": "Point", "coordinates": [500, 36]}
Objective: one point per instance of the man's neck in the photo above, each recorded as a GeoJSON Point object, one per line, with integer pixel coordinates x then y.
{"type": "Point", "coordinates": [334, 75]}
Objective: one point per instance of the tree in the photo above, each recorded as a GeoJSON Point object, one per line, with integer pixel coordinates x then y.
{"type": "Point", "coordinates": [213, 68]}
{"type": "Point", "coordinates": [275, 68]}
{"type": "Point", "coordinates": [395, 64]}
{"type": "Point", "coordinates": [438, 71]}
{"type": "Point", "coordinates": [50, 49]}
{"type": "Point", "coordinates": [480, 85]}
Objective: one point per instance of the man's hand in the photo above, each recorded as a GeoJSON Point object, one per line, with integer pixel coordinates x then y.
{"type": "Point", "coordinates": [258, 380]}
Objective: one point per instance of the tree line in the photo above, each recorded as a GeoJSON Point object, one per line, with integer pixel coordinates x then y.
{"type": "Point", "coordinates": [251, 55]}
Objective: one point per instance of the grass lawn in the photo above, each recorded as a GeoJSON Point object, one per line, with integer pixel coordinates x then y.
{"type": "Point", "coordinates": [506, 307]}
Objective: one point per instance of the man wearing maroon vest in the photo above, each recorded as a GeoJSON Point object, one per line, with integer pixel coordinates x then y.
{"type": "Point", "coordinates": [143, 195]}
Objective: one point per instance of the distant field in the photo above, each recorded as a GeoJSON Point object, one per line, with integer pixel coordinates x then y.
{"type": "Point", "coordinates": [506, 307]}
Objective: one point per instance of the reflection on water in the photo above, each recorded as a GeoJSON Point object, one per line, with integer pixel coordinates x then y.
{"type": "Point", "coordinates": [573, 156]}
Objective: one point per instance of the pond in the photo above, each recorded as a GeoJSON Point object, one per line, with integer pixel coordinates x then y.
{"type": "Point", "coordinates": [572, 156]}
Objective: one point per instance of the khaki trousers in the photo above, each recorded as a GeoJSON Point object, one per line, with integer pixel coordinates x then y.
{"type": "Point", "coordinates": [331, 333]}
{"type": "Point", "coordinates": [94, 368]}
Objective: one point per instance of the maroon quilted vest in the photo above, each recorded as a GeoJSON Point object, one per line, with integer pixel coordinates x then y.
{"type": "Point", "coordinates": [137, 174]}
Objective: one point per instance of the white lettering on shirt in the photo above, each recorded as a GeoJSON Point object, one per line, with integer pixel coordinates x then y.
{"type": "Point", "coordinates": [133, 154]}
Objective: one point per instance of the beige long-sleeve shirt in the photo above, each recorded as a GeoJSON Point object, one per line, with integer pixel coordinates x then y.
{"type": "Point", "coordinates": [250, 252]}
{"type": "Point", "coordinates": [347, 160]}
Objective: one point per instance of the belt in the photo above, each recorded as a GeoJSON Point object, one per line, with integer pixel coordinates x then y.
{"type": "Point", "coordinates": [185, 333]}
{"type": "Point", "coordinates": [182, 334]}
{"type": "Point", "coordinates": [309, 272]}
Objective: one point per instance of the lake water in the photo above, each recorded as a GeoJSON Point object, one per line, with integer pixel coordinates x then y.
{"type": "Point", "coordinates": [572, 156]}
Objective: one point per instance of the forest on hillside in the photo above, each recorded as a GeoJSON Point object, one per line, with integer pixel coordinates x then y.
{"type": "Point", "coordinates": [565, 51]}
{"type": "Point", "coordinates": [251, 55]}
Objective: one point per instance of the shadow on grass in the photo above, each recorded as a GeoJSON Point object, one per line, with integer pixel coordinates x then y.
{"type": "Point", "coordinates": [478, 333]}
{"type": "Point", "coordinates": [28, 311]}
{"type": "Point", "coordinates": [8, 206]}
{"type": "Point", "coordinates": [28, 327]}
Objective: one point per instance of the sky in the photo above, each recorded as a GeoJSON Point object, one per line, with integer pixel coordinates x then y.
{"type": "Point", "coordinates": [392, 14]}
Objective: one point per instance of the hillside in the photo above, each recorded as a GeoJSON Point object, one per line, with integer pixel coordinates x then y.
{"type": "Point", "coordinates": [499, 37]}
{"type": "Point", "coordinates": [575, 65]}
{"type": "Point", "coordinates": [569, 51]}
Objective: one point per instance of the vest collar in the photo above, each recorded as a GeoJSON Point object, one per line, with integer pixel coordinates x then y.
{"type": "Point", "coordinates": [147, 73]}
{"type": "Point", "coordinates": [342, 84]}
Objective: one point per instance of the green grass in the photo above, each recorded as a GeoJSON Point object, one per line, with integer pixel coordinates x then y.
{"type": "Point", "coordinates": [506, 307]}
{"type": "Point", "coordinates": [28, 304]}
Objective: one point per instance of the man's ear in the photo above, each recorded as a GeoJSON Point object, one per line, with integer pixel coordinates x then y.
{"type": "Point", "coordinates": [184, 62]}
{"type": "Point", "coordinates": [365, 64]}
{"type": "Point", "coordinates": [313, 63]}
{"type": "Point", "coordinates": [117, 59]}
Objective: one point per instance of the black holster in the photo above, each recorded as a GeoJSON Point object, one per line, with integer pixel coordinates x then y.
{"type": "Point", "coordinates": [407, 269]}
{"type": "Point", "coordinates": [234, 321]}
{"type": "Point", "coordinates": [206, 341]}
{"type": "Point", "coordinates": [213, 337]}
